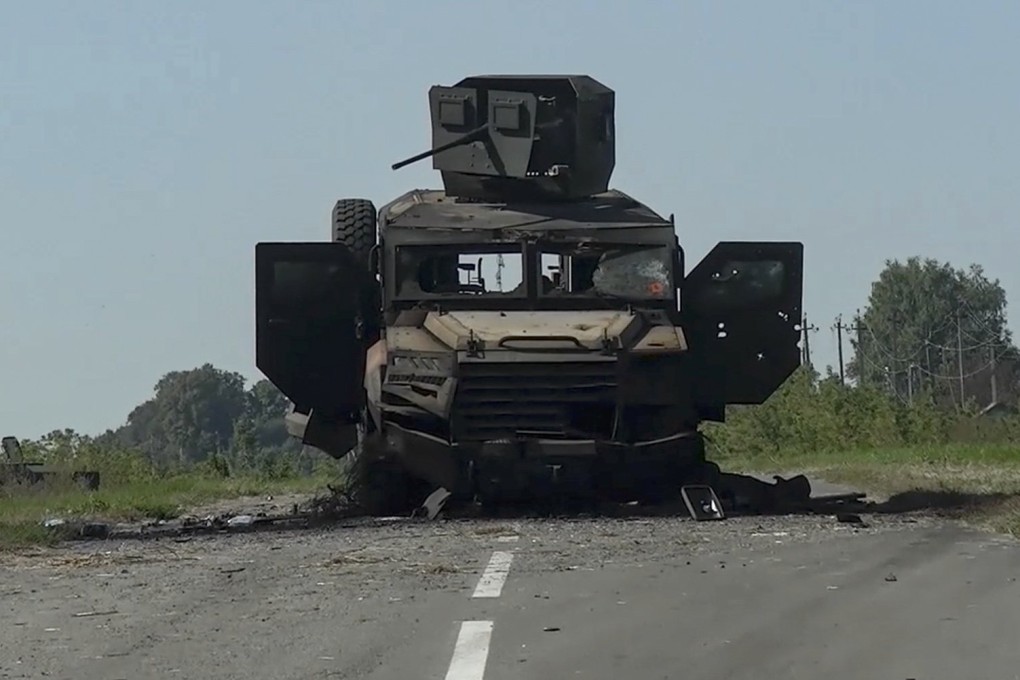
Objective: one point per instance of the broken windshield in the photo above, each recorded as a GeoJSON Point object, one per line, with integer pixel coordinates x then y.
{"type": "Point", "coordinates": [603, 270]}
{"type": "Point", "coordinates": [608, 270]}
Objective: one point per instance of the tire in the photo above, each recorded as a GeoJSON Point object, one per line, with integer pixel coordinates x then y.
{"type": "Point", "coordinates": [383, 488]}
{"type": "Point", "coordinates": [354, 225]}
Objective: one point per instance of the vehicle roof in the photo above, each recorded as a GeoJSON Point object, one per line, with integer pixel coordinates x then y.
{"type": "Point", "coordinates": [431, 208]}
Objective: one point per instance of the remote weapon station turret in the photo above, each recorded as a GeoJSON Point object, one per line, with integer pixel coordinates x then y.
{"type": "Point", "coordinates": [526, 332]}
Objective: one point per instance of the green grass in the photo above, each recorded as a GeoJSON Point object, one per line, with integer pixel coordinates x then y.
{"type": "Point", "coordinates": [22, 510]}
{"type": "Point", "coordinates": [985, 477]}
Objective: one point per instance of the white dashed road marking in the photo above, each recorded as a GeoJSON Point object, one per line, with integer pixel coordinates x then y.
{"type": "Point", "coordinates": [494, 576]}
{"type": "Point", "coordinates": [472, 648]}
{"type": "Point", "coordinates": [471, 651]}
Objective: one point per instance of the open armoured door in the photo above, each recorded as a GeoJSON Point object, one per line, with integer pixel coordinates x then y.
{"type": "Point", "coordinates": [742, 313]}
{"type": "Point", "coordinates": [312, 302]}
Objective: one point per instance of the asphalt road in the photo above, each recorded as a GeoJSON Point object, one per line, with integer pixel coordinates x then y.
{"type": "Point", "coordinates": [791, 597]}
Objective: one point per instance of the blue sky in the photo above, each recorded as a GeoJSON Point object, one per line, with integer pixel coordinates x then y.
{"type": "Point", "coordinates": [145, 147]}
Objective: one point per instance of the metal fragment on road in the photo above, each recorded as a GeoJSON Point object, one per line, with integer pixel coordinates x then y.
{"type": "Point", "coordinates": [433, 505]}
{"type": "Point", "coordinates": [702, 503]}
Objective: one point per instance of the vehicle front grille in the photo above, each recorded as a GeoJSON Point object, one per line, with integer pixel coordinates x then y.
{"type": "Point", "coordinates": [552, 400]}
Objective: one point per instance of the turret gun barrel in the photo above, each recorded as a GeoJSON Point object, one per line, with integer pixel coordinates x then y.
{"type": "Point", "coordinates": [480, 133]}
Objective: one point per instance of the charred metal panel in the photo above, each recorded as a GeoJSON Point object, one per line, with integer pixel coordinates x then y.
{"type": "Point", "coordinates": [310, 303]}
{"type": "Point", "coordinates": [654, 379]}
{"type": "Point", "coordinates": [422, 379]}
{"type": "Point", "coordinates": [499, 400]}
{"type": "Point", "coordinates": [742, 308]}
{"type": "Point", "coordinates": [601, 213]}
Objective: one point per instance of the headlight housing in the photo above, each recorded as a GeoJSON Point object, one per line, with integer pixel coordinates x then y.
{"type": "Point", "coordinates": [420, 363]}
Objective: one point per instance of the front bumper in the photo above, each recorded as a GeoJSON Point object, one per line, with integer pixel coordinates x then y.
{"type": "Point", "coordinates": [534, 469]}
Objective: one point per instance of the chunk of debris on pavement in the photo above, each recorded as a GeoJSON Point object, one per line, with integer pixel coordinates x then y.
{"type": "Point", "coordinates": [240, 521]}
{"type": "Point", "coordinates": [96, 530]}
{"type": "Point", "coordinates": [433, 505]}
{"type": "Point", "coordinates": [849, 517]}
{"type": "Point", "coordinates": [96, 613]}
{"type": "Point", "coordinates": [891, 578]}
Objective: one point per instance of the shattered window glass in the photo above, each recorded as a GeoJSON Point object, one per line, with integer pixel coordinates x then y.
{"type": "Point", "coordinates": [613, 270]}
{"type": "Point", "coordinates": [629, 273]}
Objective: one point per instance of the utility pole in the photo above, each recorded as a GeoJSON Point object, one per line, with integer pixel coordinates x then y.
{"type": "Point", "coordinates": [860, 350]}
{"type": "Point", "coordinates": [959, 354]}
{"type": "Point", "coordinates": [910, 383]}
{"type": "Point", "coordinates": [927, 365]}
{"type": "Point", "coordinates": [807, 342]}
{"type": "Point", "coordinates": [995, 384]}
{"type": "Point", "coordinates": [839, 347]}
{"type": "Point", "coordinates": [840, 327]}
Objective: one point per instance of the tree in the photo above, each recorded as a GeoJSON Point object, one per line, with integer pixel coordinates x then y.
{"type": "Point", "coordinates": [923, 319]}
{"type": "Point", "coordinates": [265, 407]}
{"type": "Point", "coordinates": [191, 416]}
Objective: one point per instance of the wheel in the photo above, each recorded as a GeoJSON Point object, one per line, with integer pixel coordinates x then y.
{"type": "Point", "coordinates": [379, 485]}
{"type": "Point", "coordinates": [354, 225]}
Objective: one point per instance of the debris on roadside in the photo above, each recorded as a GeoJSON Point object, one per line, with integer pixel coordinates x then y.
{"type": "Point", "coordinates": [108, 612]}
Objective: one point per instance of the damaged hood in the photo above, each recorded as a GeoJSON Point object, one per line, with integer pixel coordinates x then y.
{"type": "Point", "coordinates": [534, 330]}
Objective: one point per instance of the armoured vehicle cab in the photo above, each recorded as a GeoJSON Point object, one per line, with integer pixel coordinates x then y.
{"type": "Point", "coordinates": [526, 330]}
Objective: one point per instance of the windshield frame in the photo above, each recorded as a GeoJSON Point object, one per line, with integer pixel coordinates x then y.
{"type": "Point", "coordinates": [531, 244]}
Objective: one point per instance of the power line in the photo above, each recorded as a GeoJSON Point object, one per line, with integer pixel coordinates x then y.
{"type": "Point", "coordinates": [964, 312]}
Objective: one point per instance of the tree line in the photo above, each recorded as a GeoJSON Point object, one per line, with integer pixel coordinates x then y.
{"type": "Point", "coordinates": [931, 331]}
{"type": "Point", "coordinates": [202, 417]}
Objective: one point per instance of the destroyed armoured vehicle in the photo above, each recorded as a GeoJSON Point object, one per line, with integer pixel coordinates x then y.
{"type": "Point", "coordinates": [15, 471]}
{"type": "Point", "coordinates": [526, 331]}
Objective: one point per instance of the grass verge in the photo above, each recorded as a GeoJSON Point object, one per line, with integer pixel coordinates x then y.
{"type": "Point", "coordinates": [977, 483]}
{"type": "Point", "coordinates": [22, 511]}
